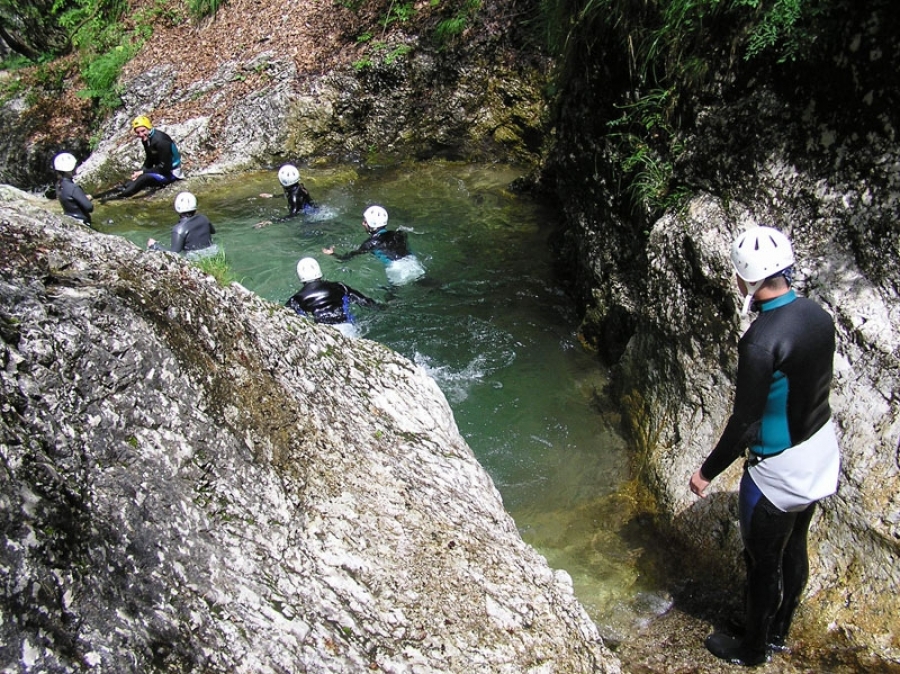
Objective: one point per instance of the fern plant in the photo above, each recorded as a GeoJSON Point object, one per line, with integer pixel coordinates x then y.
{"type": "Point", "coordinates": [101, 74]}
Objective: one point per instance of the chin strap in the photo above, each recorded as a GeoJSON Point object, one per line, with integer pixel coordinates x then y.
{"type": "Point", "coordinates": [751, 291]}
{"type": "Point", "coordinates": [748, 300]}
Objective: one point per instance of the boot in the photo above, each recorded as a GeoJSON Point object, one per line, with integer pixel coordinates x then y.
{"type": "Point", "coordinates": [778, 636]}
{"type": "Point", "coordinates": [781, 624]}
{"type": "Point", "coordinates": [733, 650]}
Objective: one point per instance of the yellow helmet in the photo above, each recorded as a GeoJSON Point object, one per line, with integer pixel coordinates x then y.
{"type": "Point", "coordinates": [141, 120]}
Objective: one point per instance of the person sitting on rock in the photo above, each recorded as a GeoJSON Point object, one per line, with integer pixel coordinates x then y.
{"type": "Point", "coordinates": [162, 162]}
{"type": "Point", "coordinates": [326, 302]}
{"type": "Point", "coordinates": [389, 246]}
{"type": "Point", "coordinates": [192, 236]}
{"type": "Point", "coordinates": [299, 200]}
{"type": "Point", "coordinates": [75, 203]}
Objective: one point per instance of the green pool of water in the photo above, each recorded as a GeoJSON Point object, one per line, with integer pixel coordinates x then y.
{"type": "Point", "coordinates": [489, 323]}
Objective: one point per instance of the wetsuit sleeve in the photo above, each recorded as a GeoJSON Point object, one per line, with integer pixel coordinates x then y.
{"type": "Point", "coordinates": [754, 378]}
{"type": "Point", "coordinates": [81, 199]}
{"type": "Point", "coordinates": [305, 197]}
{"type": "Point", "coordinates": [148, 156]}
{"type": "Point", "coordinates": [153, 160]}
{"type": "Point", "coordinates": [365, 247]}
{"type": "Point", "coordinates": [358, 298]}
{"type": "Point", "coordinates": [179, 234]}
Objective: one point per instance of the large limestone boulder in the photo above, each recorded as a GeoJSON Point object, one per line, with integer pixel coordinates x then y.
{"type": "Point", "coordinates": [195, 479]}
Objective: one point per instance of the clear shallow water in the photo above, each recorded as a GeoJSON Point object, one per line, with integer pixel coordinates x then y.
{"type": "Point", "coordinates": [488, 322]}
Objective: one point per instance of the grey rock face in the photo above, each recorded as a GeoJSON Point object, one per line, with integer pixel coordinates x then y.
{"type": "Point", "coordinates": [855, 541]}
{"type": "Point", "coordinates": [810, 148]}
{"type": "Point", "coordinates": [195, 479]}
{"type": "Point", "coordinates": [426, 109]}
{"type": "Point", "coordinates": [669, 296]}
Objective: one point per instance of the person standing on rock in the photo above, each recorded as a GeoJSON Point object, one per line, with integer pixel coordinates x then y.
{"type": "Point", "coordinates": [162, 162]}
{"type": "Point", "coordinates": [192, 236]}
{"type": "Point", "coordinates": [75, 203]}
{"type": "Point", "coordinates": [324, 301]}
{"type": "Point", "coordinates": [298, 197]}
{"type": "Point", "coordinates": [782, 416]}
{"type": "Point", "coordinates": [389, 246]}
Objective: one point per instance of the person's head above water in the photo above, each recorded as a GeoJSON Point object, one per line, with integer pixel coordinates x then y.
{"type": "Point", "coordinates": [288, 175]}
{"type": "Point", "coordinates": [308, 270]}
{"type": "Point", "coordinates": [185, 202]}
{"type": "Point", "coordinates": [759, 254]}
{"type": "Point", "coordinates": [374, 218]}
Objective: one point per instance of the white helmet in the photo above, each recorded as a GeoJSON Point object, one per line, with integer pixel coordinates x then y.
{"type": "Point", "coordinates": [185, 202]}
{"type": "Point", "coordinates": [288, 175]}
{"type": "Point", "coordinates": [308, 270]}
{"type": "Point", "coordinates": [65, 162]}
{"type": "Point", "coordinates": [757, 254]}
{"type": "Point", "coordinates": [376, 217]}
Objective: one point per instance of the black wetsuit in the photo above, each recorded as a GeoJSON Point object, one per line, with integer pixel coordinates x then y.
{"type": "Point", "coordinates": [785, 365]}
{"type": "Point", "coordinates": [328, 301]}
{"type": "Point", "coordinates": [193, 232]}
{"type": "Point", "coordinates": [298, 198]}
{"type": "Point", "coordinates": [386, 245]}
{"type": "Point", "coordinates": [162, 162]}
{"type": "Point", "coordinates": [73, 200]}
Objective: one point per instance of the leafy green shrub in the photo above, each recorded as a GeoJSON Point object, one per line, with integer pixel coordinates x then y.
{"type": "Point", "coordinates": [398, 12]}
{"type": "Point", "coordinates": [14, 62]}
{"type": "Point", "coordinates": [101, 74]}
{"type": "Point", "coordinates": [92, 24]}
{"type": "Point", "coordinates": [450, 28]}
{"type": "Point", "coordinates": [782, 25]}
{"type": "Point", "coordinates": [10, 88]}
{"type": "Point", "coordinates": [665, 52]}
{"type": "Point", "coordinates": [397, 53]}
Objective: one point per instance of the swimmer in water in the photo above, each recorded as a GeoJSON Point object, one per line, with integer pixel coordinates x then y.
{"type": "Point", "coordinates": [389, 246]}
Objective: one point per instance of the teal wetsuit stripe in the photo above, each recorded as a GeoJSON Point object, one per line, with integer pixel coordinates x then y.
{"type": "Point", "coordinates": [774, 431]}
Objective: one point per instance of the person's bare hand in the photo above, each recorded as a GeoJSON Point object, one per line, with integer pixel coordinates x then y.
{"type": "Point", "coordinates": [698, 484]}
{"type": "Point", "coordinates": [150, 242]}
{"type": "Point", "coordinates": [328, 251]}
{"type": "Point", "coordinates": [260, 225]}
